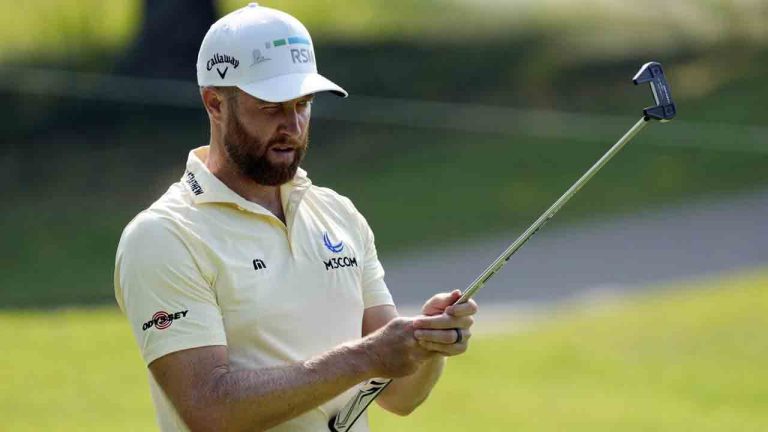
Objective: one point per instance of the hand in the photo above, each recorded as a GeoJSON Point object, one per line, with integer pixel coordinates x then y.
{"type": "Point", "coordinates": [436, 331]}
{"type": "Point", "coordinates": [393, 350]}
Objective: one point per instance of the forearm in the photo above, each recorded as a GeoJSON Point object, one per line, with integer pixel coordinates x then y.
{"type": "Point", "coordinates": [405, 394]}
{"type": "Point", "coordinates": [262, 398]}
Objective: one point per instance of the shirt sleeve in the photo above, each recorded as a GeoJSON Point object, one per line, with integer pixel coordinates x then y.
{"type": "Point", "coordinates": [375, 291]}
{"type": "Point", "coordinates": [161, 288]}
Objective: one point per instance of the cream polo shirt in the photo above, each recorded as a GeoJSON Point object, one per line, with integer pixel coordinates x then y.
{"type": "Point", "coordinates": [203, 266]}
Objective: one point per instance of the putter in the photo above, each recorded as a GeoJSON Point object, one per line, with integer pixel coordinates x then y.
{"type": "Point", "coordinates": [664, 111]}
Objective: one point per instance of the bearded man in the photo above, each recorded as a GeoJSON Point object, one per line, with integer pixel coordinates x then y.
{"type": "Point", "coordinates": [257, 299]}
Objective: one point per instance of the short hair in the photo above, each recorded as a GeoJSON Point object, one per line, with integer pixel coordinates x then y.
{"type": "Point", "coordinates": [229, 93]}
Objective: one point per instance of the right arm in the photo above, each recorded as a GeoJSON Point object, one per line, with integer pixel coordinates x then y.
{"type": "Point", "coordinates": [209, 396]}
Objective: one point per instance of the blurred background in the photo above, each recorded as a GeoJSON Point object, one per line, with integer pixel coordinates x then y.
{"type": "Point", "coordinates": [466, 120]}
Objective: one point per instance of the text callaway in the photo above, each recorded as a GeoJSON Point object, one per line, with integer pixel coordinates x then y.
{"type": "Point", "coordinates": [222, 58]}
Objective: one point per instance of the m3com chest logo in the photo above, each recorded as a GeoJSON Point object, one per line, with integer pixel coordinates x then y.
{"type": "Point", "coordinates": [337, 262]}
{"type": "Point", "coordinates": [162, 320]}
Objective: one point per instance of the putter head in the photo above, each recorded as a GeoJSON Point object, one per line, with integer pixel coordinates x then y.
{"type": "Point", "coordinates": [665, 108]}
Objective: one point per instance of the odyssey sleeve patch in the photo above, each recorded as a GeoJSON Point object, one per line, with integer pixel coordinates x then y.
{"type": "Point", "coordinates": [159, 285]}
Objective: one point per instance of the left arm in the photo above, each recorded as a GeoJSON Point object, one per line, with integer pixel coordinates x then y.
{"type": "Point", "coordinates": [435, 332]}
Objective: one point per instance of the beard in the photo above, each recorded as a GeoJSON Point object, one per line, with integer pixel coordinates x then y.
{"type": "Point", "coordinates": [250, 154]}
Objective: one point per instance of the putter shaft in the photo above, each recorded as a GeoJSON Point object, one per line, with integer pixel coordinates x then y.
{"type": "Point", "coordinates": [502, 259]}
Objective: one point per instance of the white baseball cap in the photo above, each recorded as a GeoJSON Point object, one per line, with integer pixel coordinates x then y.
{"type": "Point", "coordinates": [264, 52]}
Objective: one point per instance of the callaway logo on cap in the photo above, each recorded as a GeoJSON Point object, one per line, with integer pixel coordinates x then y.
{"type": "Point", "coordinates": [265, 52]}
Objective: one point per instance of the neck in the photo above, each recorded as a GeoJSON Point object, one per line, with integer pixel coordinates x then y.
{"type": "Point", "coordinates": [222, 167]}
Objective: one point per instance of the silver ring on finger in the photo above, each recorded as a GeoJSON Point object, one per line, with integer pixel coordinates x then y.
{"type": "Point", "coordinates": [459, 336]}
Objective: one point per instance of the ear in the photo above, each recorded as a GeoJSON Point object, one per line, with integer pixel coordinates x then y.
{"type": "Point", "coordinates": [215, 103]}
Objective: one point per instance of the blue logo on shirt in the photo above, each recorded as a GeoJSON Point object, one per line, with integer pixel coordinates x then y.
{"type": "Point", "coordinates": [335, 248]}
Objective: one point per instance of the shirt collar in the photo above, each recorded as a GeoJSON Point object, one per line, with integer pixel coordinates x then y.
{"type": "Point", "coordinates": [207, 188]}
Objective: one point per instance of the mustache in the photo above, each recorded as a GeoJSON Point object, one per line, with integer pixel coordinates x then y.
{"type": "Point", "coordinates": [293, 142]}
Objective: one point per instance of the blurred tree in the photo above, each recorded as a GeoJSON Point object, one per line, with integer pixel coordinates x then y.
{"type": "Point", "coordinates": [169, 40]}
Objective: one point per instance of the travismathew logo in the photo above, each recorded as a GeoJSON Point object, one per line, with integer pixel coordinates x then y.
{"type": "Point", "coordinates": [194, 186]}
{"type": "Point", "coordinates": [219, 59]}
{"type": "Point", "coordinates": [339, 262]}
{"type": "Point", "coordinates": [162, 320]}
{"type": "Point", "coordinates": [335, 263]}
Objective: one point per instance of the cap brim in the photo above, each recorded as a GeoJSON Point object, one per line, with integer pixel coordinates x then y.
{"type": "Point", "coordinates": [291, 86]}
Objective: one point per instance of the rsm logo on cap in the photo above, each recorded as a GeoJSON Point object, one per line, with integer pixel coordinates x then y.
{"type": "Point", "coordinates": [302, 55]}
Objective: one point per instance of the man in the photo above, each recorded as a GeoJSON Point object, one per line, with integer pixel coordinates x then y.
{"type": "Point", "coordinates": [256, 298]}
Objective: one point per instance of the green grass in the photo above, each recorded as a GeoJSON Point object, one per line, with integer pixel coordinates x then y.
{"type": "Point", "coordinates": [686, 360]}
{"type": "Point", "coordinates": [71, 370]}
{"type": "Point", "coordinates": [674, 360]}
